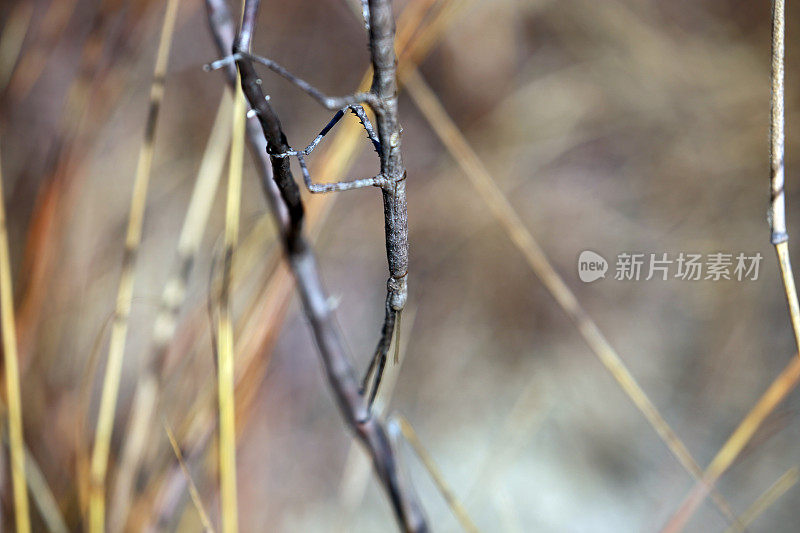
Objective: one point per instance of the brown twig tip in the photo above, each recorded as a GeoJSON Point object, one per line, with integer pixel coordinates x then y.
{"type": "Point", "coordinates": [777, 210]}
{"type": "Point", "coordinates": [271, 150]}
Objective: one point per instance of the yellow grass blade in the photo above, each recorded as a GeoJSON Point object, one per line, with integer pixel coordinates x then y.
{"type": "Point", "coordinates": [146, 395]}
{"type": "Point", "coordinates": [782, 249]}
{"type": "Point", "coordinates": [508, 218]}
{"type": "Point", "coordinates": [225, 345]}
{"type": "Point", "coordinates": [453, 502]}
{"type": "Point", "coordinates": [193, 492]}
{"type": "Point", "coordinates": [725, 457]}
{"type": "Point", "coordinates": [16, 441]}
{"type": "Point", "coordinates": [765, 501]}
{"type": "Point", "coordinates": [43, 497]}
{"type": "Point", "coordinates": [40, 491]}
{"type": "Point", "coordinates": [82, 460]}
{"type": "Point", "coordinates": [108, 399]}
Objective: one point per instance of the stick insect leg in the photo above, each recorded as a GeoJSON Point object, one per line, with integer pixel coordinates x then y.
{"type": "Point", "coordinates": [379, 358]}
{"type": "Point", "coordinates": [329, 102]}
{"type": "Point", "coordinates": [310, 148]}
{"type": "Point", "coordinates": [358, 111]}
{"type": "Point", "coordinates": [316, 188]}
{"type": "Point", "coordinates": [365, 13]}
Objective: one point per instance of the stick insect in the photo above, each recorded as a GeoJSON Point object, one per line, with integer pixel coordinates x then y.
{"type": "Point", "coordinates": [382, 100]}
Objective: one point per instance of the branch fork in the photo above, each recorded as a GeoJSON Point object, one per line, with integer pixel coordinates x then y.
{"type": "Point", "coordinates": [271, 151]}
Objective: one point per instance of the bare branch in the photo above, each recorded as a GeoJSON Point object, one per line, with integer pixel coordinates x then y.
{"type": "Point", "coordinates": [315, 300]}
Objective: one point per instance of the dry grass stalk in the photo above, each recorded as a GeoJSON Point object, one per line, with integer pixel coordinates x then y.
{"type": "Point", "coordinates": [146, 394]}
{"type": "Point", "coordinates": [777, 140]}
{"type": "Point", "coordinates": [43, 496]}
{"type": "Point", "coordinates": [766, 499]}
{"type": "Point", "coordinates": [505, 214]}
{"type": "Point", "coordinates": [725, 457]}
{"type": "Point", "coordinates": [453, 502]}
{"type": "Point", "coordinates": [108, 400]}
{"type": "Point", "coordinates": [225, 343]}
{"type": "Point", "coordinates": [90, 97]}
{"type": "Point", "coordinates": [193, 492]}
{"type": "Point", "coordinates": [13, 395]}
{"type": "Point", "coordinates": [787, 380]}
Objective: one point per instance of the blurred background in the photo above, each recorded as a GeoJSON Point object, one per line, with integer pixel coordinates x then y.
{"type": "Point", "coordinates": [620, 125]}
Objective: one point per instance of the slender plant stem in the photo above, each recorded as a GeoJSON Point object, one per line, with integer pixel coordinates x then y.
{"type": "Point", "coordinates": [458, 509]}
{"type": "Point", "coordinates": [536, 258]}
{"type": "Point", "coordinates": [420, 25]}
{"type": "Point", "coordinates": [108, 399]}
{"type": "Point", "coordinates": [147, 393]}
{"type": "Point", "coordinates": [777, 142]}
{"type": "Point", "coordinates": [779, 238]}
{"type": "Point", "coordinates": [225, 343]}
{"type": "Point", "coordinates": [283, 191]}
{"type": "Point", "coordinates": [772, 397]}
{"type": "Point", "coordinates": [11, 360]}
{"type": "Point", "coordinates": [193, 492]}
{"type": "Point", "coordinates": [766, 499]}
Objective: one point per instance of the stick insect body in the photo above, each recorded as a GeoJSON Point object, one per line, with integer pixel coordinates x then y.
{"type": "Point", "coordinates": [382, 100]}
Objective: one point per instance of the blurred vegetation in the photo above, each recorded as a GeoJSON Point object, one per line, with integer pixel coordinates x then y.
{"type": "Point", "coordinates": [614, 125]}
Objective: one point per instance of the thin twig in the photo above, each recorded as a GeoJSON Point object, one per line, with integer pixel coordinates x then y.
{"type": "Point", "coordinates": [108, 400]}
{"type": "Point", "coordinates": [356, 471]}
{"type": "Point", "coordinates": [777, 139]}
{"type": "Point", "coordinates": [420, 25]}
{"type": "Point", "coordinates": [13, 395]}
{"type": "Point", "coordinates": [303, 264]}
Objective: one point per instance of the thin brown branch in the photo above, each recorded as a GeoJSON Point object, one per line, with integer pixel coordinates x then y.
{"type": "Point", "coordinates": [300, 255]}
{"type": "Point", "coordinates": [420, 26]}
